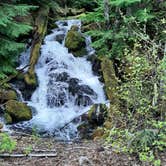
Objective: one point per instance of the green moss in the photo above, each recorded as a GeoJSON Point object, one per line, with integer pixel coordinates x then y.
{"type": "Point", "coordinates": [98, 133]}
{"type": "Point", "coordinates": [18, 111]}
{"type": "Point", "coordinates": [75, 42]}
{"type": "Point", "coordinates": [110, 86]}
{"type": "Point", "coordinates": [92, 112]}
{"type": "Point", "coordinates": [110, 80]}
{"type": "Point", "coordinates": [7, 95]}
{"type": "Point", "coordinates": [41, 24]}
{"type": "Point", "coordinates": [1, 126]}
{"type": "Point", "coordinates": [30, 79]}
{"type": "Point", "coordinates": [8, 118]}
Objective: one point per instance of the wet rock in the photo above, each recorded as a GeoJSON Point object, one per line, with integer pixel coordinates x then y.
{"type": "Point", "coordinates": [82, 100]}
{"type": "Point", "coordinates": [67, 87]}
{"type": "Point", "coordinates": [75, 88]}
{"type": "Point", "coordinates": [25, 89]}
{"type": "Point", "coordinates": [6, 95]}
{"type": "Point", "coordinates": [8, 118]}
{"type": "Point", "coordinates": [75, 42]}
{"type": "Point", "coordinates": [91, 121]}
{"type": "Point", "coordinates": [1, 126]}
{"type": "Point", "coordinates": [97, 114]}
{"type": "Point", "coordinates": [57, 95]}
{"type": "Point", "coordinates": [73, 85]}
{"type": "Point", "coordinates": [62, 77]}
{"type": "Point", "coordinates": [18, 111]}
{"type": "Point", "coordinates": [96, 66]}
{"type": "Point", "coordinates": [60, 38]}
{"type": "Point", "coordinates": [85, 130]}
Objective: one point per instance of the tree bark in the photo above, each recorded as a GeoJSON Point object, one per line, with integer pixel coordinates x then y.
{"type": "Point", "coordinates": [41, 28]}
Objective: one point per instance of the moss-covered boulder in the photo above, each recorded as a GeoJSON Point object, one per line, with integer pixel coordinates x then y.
{"type": "Point", "coordinates": [18, 111]}
{"type": "Point", "coordinates": [6, 95]}
{"type": "Point", "coordinates": [8, 118]}
{"type": "Point", "coordinates": [75, 42]}
{"type": "Point", "coordinates": [98, 133]}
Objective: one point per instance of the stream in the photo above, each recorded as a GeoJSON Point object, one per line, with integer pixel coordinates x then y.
{"type": "Point", "coordinates": [67, 86]}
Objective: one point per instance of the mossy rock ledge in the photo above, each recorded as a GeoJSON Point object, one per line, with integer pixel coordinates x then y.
{"type": "Point", "coordinates": [16, 112]}
{"type": "Point", "coordinates": [6, 95]}
{"type": "Point", "coordinates": [75, 42]}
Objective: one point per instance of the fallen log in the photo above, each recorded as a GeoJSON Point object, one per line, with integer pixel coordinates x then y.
{"type": "Point", "coordinates": [40, 31]}
{"type": "Point", "coordinates": [6, 155]}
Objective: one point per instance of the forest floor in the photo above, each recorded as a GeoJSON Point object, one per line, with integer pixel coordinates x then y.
{"type": "Point", "coordinates": [84, 153]}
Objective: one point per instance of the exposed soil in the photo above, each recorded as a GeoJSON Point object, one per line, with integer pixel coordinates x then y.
{"type": "Point", "coordinates": [85, 153]}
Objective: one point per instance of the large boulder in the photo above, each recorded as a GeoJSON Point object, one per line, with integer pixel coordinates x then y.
{"type": "Point", "coordinates": [6, 95]}
{"type": "Point", "coordinates": [17, 111]}
{"type": "Point", "coordinates": [97, 114]}
{"type": "Point", "coordinates": [91, 122]}
{"type": "Point", "coordinates": [75, 42]}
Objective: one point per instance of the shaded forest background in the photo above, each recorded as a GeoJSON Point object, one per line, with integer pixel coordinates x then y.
{"type": "Point", "coordinates": [130, 41]}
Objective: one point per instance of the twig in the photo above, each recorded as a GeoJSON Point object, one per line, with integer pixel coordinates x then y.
{"type": "Point", "coordinates": [29, 155]}
{"type": "Point", "coordinates": [13, 76]}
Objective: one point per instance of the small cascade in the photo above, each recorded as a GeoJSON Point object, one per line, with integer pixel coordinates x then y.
{"type": "Point", "coordinates": [67, 86]}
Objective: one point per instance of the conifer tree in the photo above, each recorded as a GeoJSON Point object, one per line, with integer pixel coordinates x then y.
{"type": "Point", "coordinates": [10, 30]}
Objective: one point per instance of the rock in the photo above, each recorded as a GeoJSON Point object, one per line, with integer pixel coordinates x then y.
{"type": "Point", "coordinates": [83, 100]}
{"type": "Point", "coordinates": [56, 97]}
{"type": "Point", "coordinates": [60, 38]}
{"type": "Point", "coordinates": [96, 66]}
{"type": "Point", "coordinates": [98, 133]}
{"type": "Point", "coordinates": [83, 160]}
{"type": "Point", "coordinates": [85, 130]}
{"type": "Point", "coordinates": [18, 111]}
{"type": "Point", "coordinates": [8, 118]}
{"type": "Point", "coordinates": [91, 121]}
{"type": "Point", "coordinates": [62, 77]}
{"type": "Point", "coordinates": [6, 95]}
{"type": "Point", "coordinates": [26, 90]}
{"type": "Point", "coordinates": [107, 125]}
{"type": "Point", "coordinates": [75, 42]}
{"type": "Point", "coordinates": [97, 114]}
{"type": "Point", "coordinates": [1, 126]}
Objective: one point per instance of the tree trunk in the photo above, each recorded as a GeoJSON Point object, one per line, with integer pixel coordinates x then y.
{"type": "Point", "coordinates": [106, 14]}
{"type": "Point", "coordinates": [41, 28]}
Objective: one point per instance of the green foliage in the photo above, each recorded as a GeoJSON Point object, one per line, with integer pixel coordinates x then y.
{"type": "Point", "coordinates": [127, 19]}
{"type": "Point", "coordinates": [6, 143]}
{"type": "Point", "coordinates": [10, 30]}
{"type": "Point", "coordinates": [135, 40]}
{"type": "Point", "coordinates": [142, 96]}
{"type": "Point", "coordinates": [28, 149]}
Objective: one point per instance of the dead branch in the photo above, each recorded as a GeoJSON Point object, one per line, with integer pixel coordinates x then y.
{"type": "Point", "coordinates": [20, 71]}
{"type": "Point", "coordinates": [28, 155]}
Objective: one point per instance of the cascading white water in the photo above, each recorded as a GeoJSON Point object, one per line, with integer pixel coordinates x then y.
{"type": "Point", "coordinates": [67, 86]}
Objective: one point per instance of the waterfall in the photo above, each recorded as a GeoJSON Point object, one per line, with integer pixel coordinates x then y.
{"type": "Point", "coordinates": [67, 86]}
